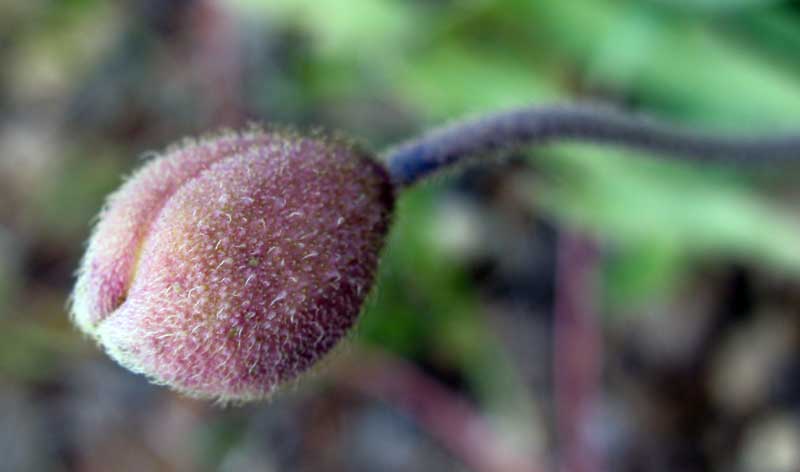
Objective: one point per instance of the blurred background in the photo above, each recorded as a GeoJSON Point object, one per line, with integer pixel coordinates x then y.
{"type": "Point", "coordinates": [567, 308]}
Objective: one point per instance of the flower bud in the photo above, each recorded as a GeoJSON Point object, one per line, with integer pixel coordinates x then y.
{"type": "Point", "coordinates": [231, 264]}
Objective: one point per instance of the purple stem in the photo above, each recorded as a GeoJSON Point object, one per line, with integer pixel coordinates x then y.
{"type": "Point", "coordinates": [532, 126]}
{"type": "Point", "coordinates": [577, 356]}
{"type": "Point", "coordinates": [444, 414]}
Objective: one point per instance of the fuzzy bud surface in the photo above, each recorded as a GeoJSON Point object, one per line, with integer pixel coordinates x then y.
{"type": "Point", "coordinates": [231, 264]}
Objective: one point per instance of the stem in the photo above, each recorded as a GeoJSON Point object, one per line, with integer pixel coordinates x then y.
{"type": "Point", "coordinates": [531, 126]}
{"type": "Point", "coordinates": [577, 354]}
{"type": "Point", "coordinates": [445, 415]}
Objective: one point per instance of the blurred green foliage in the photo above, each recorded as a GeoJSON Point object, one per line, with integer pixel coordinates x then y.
{"type": "Point", "coordinates": [712, 64]}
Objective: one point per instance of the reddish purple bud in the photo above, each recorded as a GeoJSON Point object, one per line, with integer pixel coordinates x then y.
{"type": "Point", "coordinates": [231, 264]}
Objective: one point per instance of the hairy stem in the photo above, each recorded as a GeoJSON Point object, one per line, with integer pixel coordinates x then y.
{"type": "Point", "coordinates": [531, 126]}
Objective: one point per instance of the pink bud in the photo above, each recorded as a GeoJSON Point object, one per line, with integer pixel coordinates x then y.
{"type": "Point", "coordinates": [231, 264]}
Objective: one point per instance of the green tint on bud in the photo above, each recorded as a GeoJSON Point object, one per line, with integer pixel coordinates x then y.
{"type": "Point", "coordinates": [231, 264]}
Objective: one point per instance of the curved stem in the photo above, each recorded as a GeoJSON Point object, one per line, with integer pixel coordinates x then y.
{"type": "Point", "coordinates": [530, 126]}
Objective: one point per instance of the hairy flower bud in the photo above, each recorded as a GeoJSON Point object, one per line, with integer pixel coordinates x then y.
{"type": "Point", "coordinates": [231, 264]}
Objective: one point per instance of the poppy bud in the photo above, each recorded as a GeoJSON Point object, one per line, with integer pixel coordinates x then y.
{"type": "Point", "coordinates": [231, 264]}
